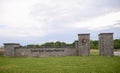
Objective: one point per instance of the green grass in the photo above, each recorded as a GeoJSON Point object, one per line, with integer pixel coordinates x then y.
{"type": "Point", "coordinates": [69, 64]}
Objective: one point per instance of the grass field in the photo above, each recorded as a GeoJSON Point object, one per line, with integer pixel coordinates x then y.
{"type": "Point", "coordinates": [69, 64]}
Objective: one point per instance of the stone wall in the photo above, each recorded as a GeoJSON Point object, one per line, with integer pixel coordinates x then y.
{"type": "Point", "coordinates": [44, 52]}
{"type": "Point", "coordinates": [82, 48]}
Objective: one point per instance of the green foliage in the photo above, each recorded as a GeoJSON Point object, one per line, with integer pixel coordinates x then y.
{"type": "Point", "coordinates": [117, 43]}
{"type": "Point", "coordinates": [48, 44]}
{"type": "Point", "coordinates": [33, 45]}
{"type": "Point", "coordinates": [56, 44]}
{"type": "Point", "coordinates": [93, 44]}
{"type": "Point", "coordinates": [51, 45]}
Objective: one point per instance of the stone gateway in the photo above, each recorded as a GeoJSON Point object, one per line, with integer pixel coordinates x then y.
{"type": "Point", "coordinates": [82, 48]}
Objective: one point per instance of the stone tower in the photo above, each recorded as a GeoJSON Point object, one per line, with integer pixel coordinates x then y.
{"type": "Point", "coordinates": [76, 47]}
{"type": "Point", "coordinates": [9, 48]}
{"type": "Point", "coordinates": [84, 44]}
{"type": "Point", "coordinates": [106, 44]}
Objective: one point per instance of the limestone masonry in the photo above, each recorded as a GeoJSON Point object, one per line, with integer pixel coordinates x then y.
{"type": "Point", "coordinates": [82, 48]}
{"type": "Point", "coordinates": [106, 44]}
{"type": "Point", "coordinates": [83, 44]}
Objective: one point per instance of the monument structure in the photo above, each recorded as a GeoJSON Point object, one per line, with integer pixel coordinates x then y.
{"type": "Point", "coordinates": [84, 44]}
{"type": "Point", "coordinates": [106, 44]}
{"type": "Point", "coordinates": [10, 48]}
{"type": "Point", "coordinates": [14, 49]}
{"type": "Point", "coordinates": [82, 48]}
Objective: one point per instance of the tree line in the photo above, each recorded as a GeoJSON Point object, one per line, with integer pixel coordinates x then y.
{"type": "Point", "coordinates": [94, 44]}
{"type": "Point", "coordinates": [56, 44]}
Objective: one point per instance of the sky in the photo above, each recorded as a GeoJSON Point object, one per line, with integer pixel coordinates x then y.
{"type": "Point", "coordinates": [40, 21]}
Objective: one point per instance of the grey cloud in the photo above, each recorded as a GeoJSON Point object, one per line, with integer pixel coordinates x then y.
{"type": "Point", "coordinates": [117, 24]}
{"type": "Point", "coordinates": [107, 3]}
{"type": "Point", "coordinates": [58, 14]}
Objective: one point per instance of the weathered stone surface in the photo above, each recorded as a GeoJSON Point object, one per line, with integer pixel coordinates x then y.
{"type": "Point", "coordinates": [44, 52]}
{"type": "Point", "coordinates": [9, 48]}
{"type": "Point", "coordinates": [76, 47]}
{"type": "Point", "coordinates": [84, 44]}
{"type": "Point", "coordinates": [82, 48]}
{"type": "Point", "coordinates": [106, 44]}
{"type": "Point", "coordinates": [13, 49]}
{"type": "Point", "coordinates": [76, 44]}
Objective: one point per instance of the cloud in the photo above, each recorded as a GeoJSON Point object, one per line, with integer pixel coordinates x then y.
{"type": "Point", "coordinates": [39, 18]}
{"type": "Point", "coordinates": [62, 14]}
{"type": "Point", "coordinates": [16, 18]}
{"type": "Point", "coordinates": [101, 22]}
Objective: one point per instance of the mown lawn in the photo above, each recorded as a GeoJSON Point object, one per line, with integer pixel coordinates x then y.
{"type": "Point", "coordinates": [69, 64]}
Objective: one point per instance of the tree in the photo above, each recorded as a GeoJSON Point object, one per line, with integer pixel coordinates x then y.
{"type": "Point", "coordinates": [33, 46]}
{"type": "Point", "coordinates": [48, 45]}
{"type": "Point", "coordinates": [94, 44]}
{"type": "Point", "coordinates": [57, 44]}
{"type": "Point", "coordinates": [117, 44]}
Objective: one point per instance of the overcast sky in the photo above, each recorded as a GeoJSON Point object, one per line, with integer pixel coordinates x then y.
{"type": "Point", "coordinates": [40, 21]}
